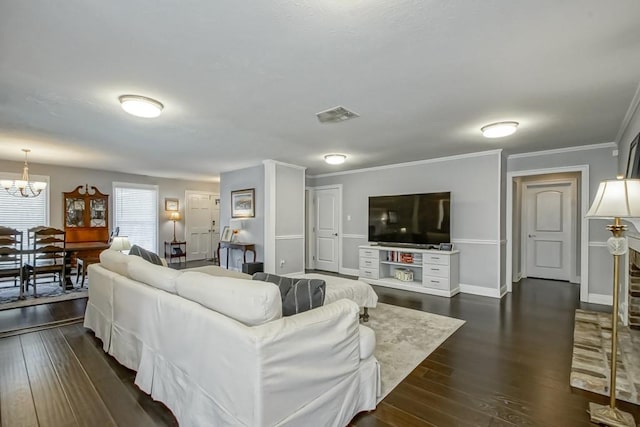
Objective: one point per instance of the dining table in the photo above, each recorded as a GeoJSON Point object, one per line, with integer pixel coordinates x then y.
{"type": "Point", "coordinates": [72, 251]}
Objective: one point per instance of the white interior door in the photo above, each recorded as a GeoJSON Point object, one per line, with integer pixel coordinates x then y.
{"type": "Point", "coordinates": [548, 231]}
{"type": "Point", "coordinates": [202, 220]}
{"type": "Point", "coordinates": [327, 224]}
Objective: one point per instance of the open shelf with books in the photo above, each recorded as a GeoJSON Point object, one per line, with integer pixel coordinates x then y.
{"type": "Point", "coordinates": [421, 270]}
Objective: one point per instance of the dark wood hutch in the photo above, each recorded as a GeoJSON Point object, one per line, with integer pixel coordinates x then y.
{"type": "Point", "coordinates": [86, 215]}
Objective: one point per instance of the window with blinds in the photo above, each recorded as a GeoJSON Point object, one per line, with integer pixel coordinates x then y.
{"type": "Point", "coordinates": [23, 213]}
{"type": "Point", "coordinates": [136, 213]}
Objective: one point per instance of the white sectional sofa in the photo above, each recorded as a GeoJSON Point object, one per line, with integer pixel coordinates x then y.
{"type": "Point", "coordinates": [217, 351]}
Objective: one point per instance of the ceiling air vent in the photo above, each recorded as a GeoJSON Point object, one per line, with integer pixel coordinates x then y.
{"type": "Point", "coordinates": [336, 115]}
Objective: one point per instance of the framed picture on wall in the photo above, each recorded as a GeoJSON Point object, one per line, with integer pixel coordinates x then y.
{"type": "Point", "coordinates": [226, 235]}
{"type": "Point", "coordinates": [633, 162]}
{"type": "Point", "coordinates": [171, 204]}
{"type": "Point", "coordinates": [243, 203]}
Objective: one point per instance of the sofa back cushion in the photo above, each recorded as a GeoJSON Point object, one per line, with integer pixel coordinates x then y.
{"type": "Point", "coordinates": [154, 275]}
{"type": "Point", "coordinates": [115, 261]}
{"type": "Point", "coordinates": [249, 302]}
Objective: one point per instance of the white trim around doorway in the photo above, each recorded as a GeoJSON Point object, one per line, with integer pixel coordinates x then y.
{"type": "Point", "coordinates": [584, 226]}
{"type": "Point", "coordinates": [311, 219]}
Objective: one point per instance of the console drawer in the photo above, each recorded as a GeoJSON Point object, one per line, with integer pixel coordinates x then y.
{"type": "Point", "coordinates": [368, 263]}
{"type": "Point", "coordinates": [436, 270]}
{"type": "Point", "coordinates": [436, 259]}
{"type": "Point", "coordinates": [369, 273]}
{"type": "Point", "coordinates": [369, 253]}
{"type": "Point", "coordinates": [441, 283]}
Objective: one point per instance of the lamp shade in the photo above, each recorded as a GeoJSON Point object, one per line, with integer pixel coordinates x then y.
{"type": "Point", "coordinates": [120, 243]}
{"type": "Point", "coordinates": [175, 216]}
{"type": "Point", "coordinates": [235, 224]}
{"type": "Point", "coordinates": [616, 198]}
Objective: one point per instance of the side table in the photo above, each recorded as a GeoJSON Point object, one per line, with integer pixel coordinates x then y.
{"type": "Point", "coordinates": [175, 250]}
{"type": "Point", "coordinates": [244, 247]}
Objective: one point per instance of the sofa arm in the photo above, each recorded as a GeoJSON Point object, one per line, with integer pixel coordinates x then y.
{"type": "Point", "coordinates": [367, 342]}
{"type": "Point", "coordinates": [305, 357]}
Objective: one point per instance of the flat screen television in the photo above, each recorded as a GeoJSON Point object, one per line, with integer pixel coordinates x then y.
{"type": "Point", "coordinates": [410, 219]}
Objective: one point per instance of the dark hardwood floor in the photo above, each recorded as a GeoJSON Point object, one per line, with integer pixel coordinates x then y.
{"type": "Point", "coordinates": [507, 366]}
{"type": "Point", "coordinates": [36, 316]}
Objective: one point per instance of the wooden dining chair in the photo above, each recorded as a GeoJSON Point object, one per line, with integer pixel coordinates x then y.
{"type": "Point", "coordinates": [47, 245]}
{"type": "Point", "coordinates": [11, 254]}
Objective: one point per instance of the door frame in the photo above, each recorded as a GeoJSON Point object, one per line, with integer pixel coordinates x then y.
{"type": "Point", "coordinates": [524, 217]}
{"type": "Point", "coordinates": [187, 226]}
{"type": "Point", "coordinates": [584, 225]}
{"type": "Point", "coordinates": [311, 217]}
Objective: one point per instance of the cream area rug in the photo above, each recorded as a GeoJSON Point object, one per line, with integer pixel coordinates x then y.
{"type": "Point", "coordinates": [590, 365]}
{"type": "Point", "coordinates": [47, 292]}
{"type": "Point", "coordinates": [404, 338]}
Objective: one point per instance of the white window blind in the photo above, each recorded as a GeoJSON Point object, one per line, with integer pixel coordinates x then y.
{"type": "Point", "coordinates": [23, 213]}
{"type": "Point", "coordinates": [136, 213]}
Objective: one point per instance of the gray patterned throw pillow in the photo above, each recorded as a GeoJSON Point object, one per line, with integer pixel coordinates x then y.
{"type": "Point", "coordinates": [145, 255]}
{"type": "Point", "coordinates": [297, 295]}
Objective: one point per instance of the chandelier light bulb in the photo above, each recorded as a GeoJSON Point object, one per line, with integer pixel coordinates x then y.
{"type": "Point", "coordinates": [23, 187]}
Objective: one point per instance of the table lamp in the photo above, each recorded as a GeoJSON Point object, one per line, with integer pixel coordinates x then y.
{"type": "Point", "coordinates": [615, 199]}
{"type": "Point", "coordinates": [120, 243]}
{"type": "Point", "coordinates": [175, 216]}
{"type": "Point", "coordinates": [236, 226]}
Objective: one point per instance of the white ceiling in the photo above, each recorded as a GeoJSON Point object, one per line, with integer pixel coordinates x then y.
{"type": "Point", "coordinates": [242, 81]}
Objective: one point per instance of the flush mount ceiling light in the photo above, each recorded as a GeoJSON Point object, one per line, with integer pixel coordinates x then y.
{"type": "Point", "coordinates": [335, 159]}
{"type": "Point", "coordinates": [500, 129]}
{"type": "Point", "coordinates": [141, 106]}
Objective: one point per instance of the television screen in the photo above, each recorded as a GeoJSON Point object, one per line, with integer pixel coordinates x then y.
{"type": "Point", "coordinates": [414, 219]}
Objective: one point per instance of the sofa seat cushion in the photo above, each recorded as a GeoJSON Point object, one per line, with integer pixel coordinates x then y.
{"type": "Point", "coordinates": [246, 301]}
{"type": "Point", "coordinates": [157, 276]}
{"type": "Point", "coordinates": [298, 295]}
{"type": "Point", "coordinates": [214, 270]}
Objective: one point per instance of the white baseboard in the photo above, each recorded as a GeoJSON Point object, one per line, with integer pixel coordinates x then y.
{"type": "Point", "coordinates": [517, 277]}
{"type": "Point", "coordinates": [600, 299]}
{"type": "Point", "coordinates": [350, 272]}
{"type": "Point", "coordinates": [503, 290]}
{"type": "Point", "coordinates": [481, 290]}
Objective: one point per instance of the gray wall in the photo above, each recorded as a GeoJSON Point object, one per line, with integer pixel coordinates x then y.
{"type": "Point", "coordinates": [253, 228]}
{"type": "Point", "coordinates": [474, 183]}
{"type": "Point", "coordinates": [289, 221]}
{"type": "Point", "coordinates": [602, 165]}
{"type": "Point", "coordinates": [64, 179]}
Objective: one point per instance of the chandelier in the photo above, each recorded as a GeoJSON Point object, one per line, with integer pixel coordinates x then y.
{"type": "Point", "coordinates": [23, 187]}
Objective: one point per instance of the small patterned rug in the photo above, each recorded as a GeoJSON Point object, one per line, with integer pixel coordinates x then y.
{"type": "Point", "coordinates": [590, 365]}
{"type": "Point", "coordinates": [47, 292]}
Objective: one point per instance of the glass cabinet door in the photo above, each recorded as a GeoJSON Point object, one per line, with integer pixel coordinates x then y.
{"type": "Point", "coordinates": [98, 213]}
{"type": "Point", "coordinates": [74, 212]}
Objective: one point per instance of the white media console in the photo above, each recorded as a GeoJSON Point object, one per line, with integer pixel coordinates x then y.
{"type": "Point", "coordinates": [434, 272]}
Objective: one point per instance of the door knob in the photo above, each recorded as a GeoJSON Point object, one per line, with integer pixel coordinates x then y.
{"type": "Point", "coordinates": [335, 234]}
{"type": "Point", "coordinates": [532, 235]}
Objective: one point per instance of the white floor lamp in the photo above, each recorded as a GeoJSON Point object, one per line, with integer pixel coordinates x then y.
{"type": "Point", "coordinates": [615, 199]}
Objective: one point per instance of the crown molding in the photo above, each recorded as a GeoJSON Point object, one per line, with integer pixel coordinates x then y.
{"type": "Point", "coordinates": [563, 150]}
{"type": "Point", "coordinates": [408, 164]}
